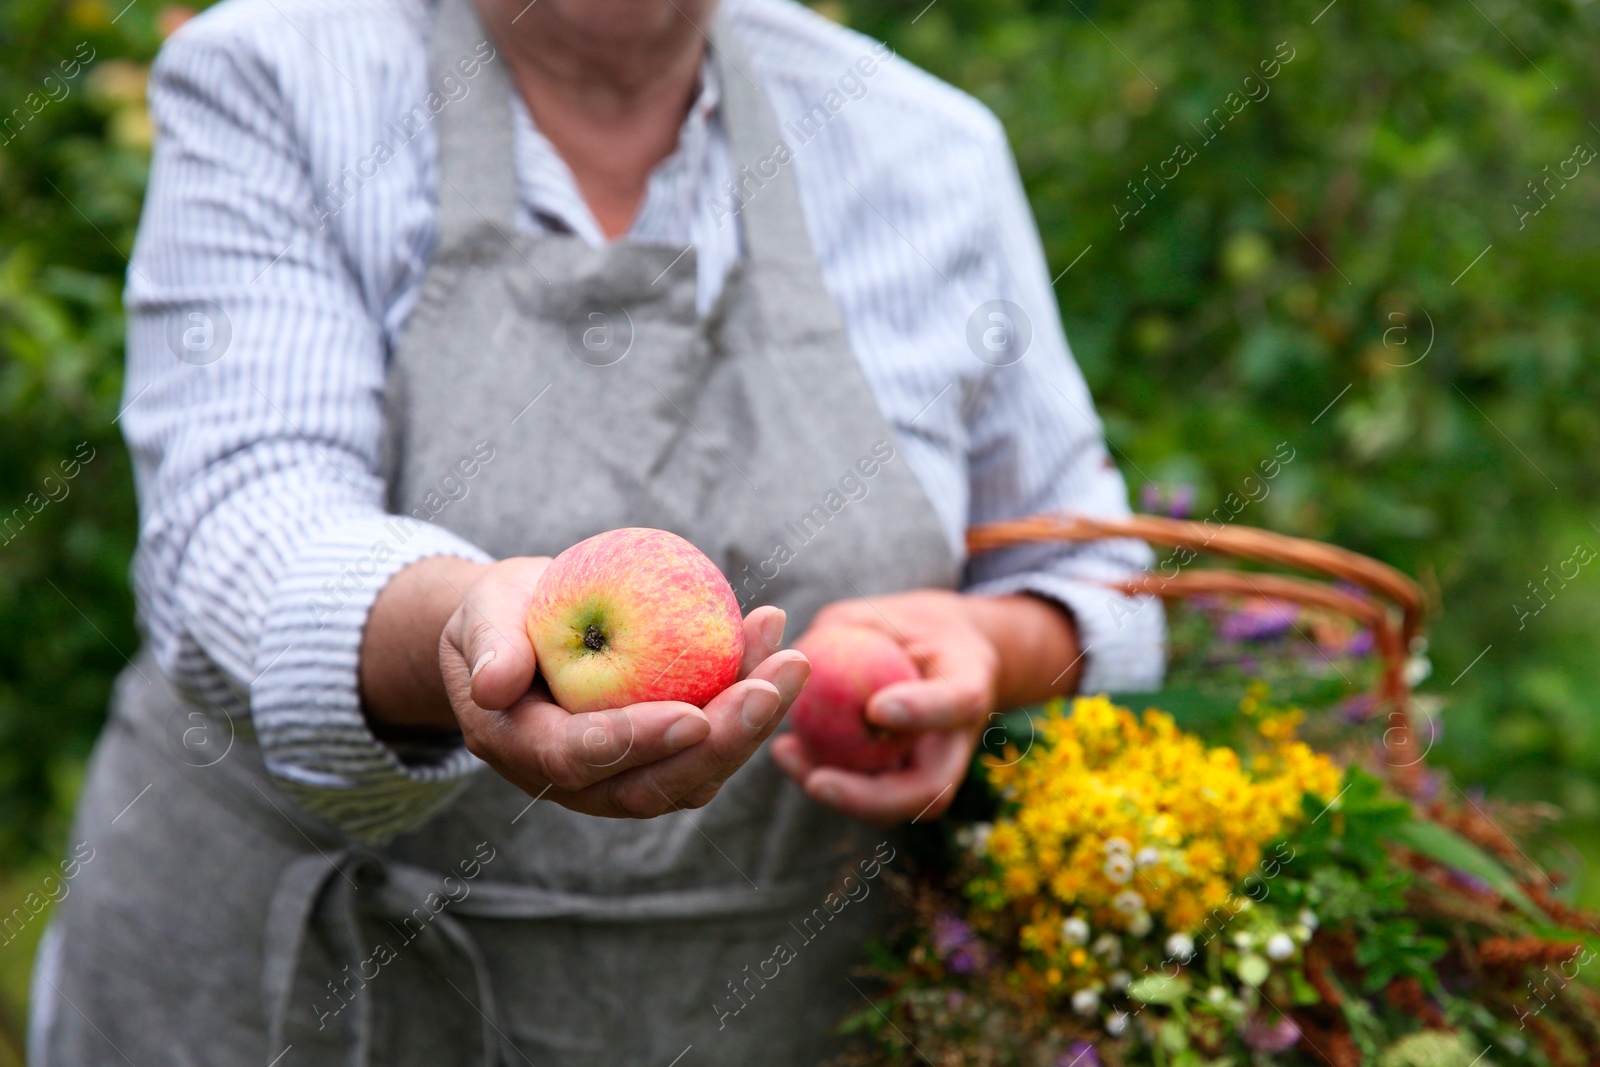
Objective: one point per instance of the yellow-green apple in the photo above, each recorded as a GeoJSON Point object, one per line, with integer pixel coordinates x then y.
{"type": "Point", "coordinates": [635, 615]}
{"type": "Point", "coordinates": [848, 665]}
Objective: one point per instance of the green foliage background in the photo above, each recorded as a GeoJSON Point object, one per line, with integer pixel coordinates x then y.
{"type": "Point", "coordinates": [1313, 275]}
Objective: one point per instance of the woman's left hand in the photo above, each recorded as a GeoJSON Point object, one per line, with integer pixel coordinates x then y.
{"type": "Point", "coordinates": [960, 669]}
{"type": "Point", "coordinates": [976, 653]}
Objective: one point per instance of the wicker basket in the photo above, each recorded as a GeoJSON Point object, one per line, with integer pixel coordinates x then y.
{"type": "Point", "coordinates": [1393, 612]}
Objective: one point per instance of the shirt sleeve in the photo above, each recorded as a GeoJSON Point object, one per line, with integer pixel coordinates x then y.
{"type": "Point", "coordinates": [253, 412]}
{"type": "Point", "coordinates": [1036, 445]}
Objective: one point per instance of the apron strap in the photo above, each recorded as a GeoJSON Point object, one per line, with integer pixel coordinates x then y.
{"type": "Point", "coordinates": [288, 918]}
{"type": "Point", "coordinates": [340, 887]}
{"type": "Point", "coordinates": [784, 272]}
{"type": "Point", "coordinates": [477, 176]}
{"type": "Point", "coordinates": [771, 222]}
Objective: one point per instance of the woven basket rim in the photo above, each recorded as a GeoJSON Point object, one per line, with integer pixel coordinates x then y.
{"type": "Point", "coordinates": [1393, 606]}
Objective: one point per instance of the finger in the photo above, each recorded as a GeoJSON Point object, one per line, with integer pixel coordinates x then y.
{"type": "Point", "coordinates": [955, 691]}
{"type": "Point", "coordinates": [744, 708]}
{"type": "Point", "coordinates": [850, 613]}
{"type": "Point", "coordinates": [535, 741]}
{"type": "Point", "coordinates": [738, 728]}
{"type": "Point", "coordinates": [490, 634]}
{"type": "Point", "coordinates": [741, 717]}
{"type": "Point", "coordinates": [790, 754]}
{"type": "Point", "coordinates": [763, 635]}
{"type": "Point", "coordinates": [919, 793]}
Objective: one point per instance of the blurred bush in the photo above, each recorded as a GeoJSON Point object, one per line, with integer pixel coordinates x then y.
{"type": "Point", "coordinates": [1382, 255]}
{"type": "Point", "coordinates": [1348, 257]}
{"type": "Point", "coordinates": [74, 141]}
{"type": "Point", "coordinates": [74, 146]}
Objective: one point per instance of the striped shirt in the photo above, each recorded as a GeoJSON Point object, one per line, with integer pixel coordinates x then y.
{"type": "Point", "coordinates": [290, 217]}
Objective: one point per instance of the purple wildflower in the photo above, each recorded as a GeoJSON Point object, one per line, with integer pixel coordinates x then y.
{"type": "Point", "coordinates": [1358, 709]}
{"type": "Point", "coordinates": [1257, 620]}
{"type": "Point", "coordinates": [1079, 1054]}
{"type": "Point", "coordinates": [949, 934]}
{"type": "Point", "coordinates": [1182, 501]}
{"type": "Point", "coordinates": [956, 944]}
{"type": "Point", "coordinates": [1276, 1037]}
{"type": "Point", "coordinates": [1150, 498]}
{"type": "Point", "coordinates": [1468, 882]}
{"type": "Point", "coordinates": [1360, 645]}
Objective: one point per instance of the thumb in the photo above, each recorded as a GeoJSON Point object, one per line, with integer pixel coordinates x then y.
{"type": "Point", "coordinates": [493, 660]}
{"type": "Point", "coordinates": [955, 691]}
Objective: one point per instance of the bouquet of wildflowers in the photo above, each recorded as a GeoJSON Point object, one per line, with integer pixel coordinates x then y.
{"type": "Point", "coordinates": [1139, 896]}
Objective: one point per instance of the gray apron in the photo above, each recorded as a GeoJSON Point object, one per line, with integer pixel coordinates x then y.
{"type": "Point", "coordinates": [220, 924]}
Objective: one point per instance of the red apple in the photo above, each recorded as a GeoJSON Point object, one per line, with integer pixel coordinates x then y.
{"type": "Point", "coordinates": [634, 615]}
{"type": "Point", "coordinates": [848, 665]}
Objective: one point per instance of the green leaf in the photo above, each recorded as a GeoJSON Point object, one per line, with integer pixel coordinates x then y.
{"type": "Point", "coordinates": [868, 1020]}
{"type": "Point", "coordinates": [1350, 828]}
{"type": "Point", "coordinates": [1174, 1038]}
{"type": "Point", "coordinates": [1159, 989]}
{"type": "Point", "coordinates": [1304, 991]}
{"type": "Point", "coordinates": [1451, 849]}
{"type": "Point", "coordinates": [1395, 949]}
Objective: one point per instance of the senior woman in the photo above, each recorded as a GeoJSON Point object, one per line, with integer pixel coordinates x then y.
{"type": "Point", "coordinates": [426, 292]}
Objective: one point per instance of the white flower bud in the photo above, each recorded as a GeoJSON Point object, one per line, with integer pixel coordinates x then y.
{"type": "Point", "coordinates": [1140, 924]}
{"type": "Point", "coordinates": [1074, 931]}
{"type": "Point", "coordinates": [1180, 947]}
{"type": "Point", "coordinates": [1119, 868]}
{"type": "Point", "coordinates": [1280, 947]}
{"type": "Point", "coordinates": [1128, 902]}
{"type": "Point", "coordinates": [1117, 844]}
{"type": "Point", "coordinates": [1108, 947]}
{"type": "Point", "coordinates": [1148, 857]}
{"type": "Point", "coordinates": [1085, 1001]}
{"type": "Point", "coordinates": [1307, 918]}
{"type": "Point", "coordinates": [1117, 1023]}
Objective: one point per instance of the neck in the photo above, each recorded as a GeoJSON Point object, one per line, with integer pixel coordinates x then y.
{"type": "Point", "coordinates": [608, 82]}
{"type": "Point", "coordinates": [605, 55]}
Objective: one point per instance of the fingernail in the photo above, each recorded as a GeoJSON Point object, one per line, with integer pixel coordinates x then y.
{"type": "Point", "coordinates": [772, 630]}
{"type": "Point", "coordinates": [483, 661]}
{"type": "Point", "coordinates": [683, 733]}
{"type": "Point", "coordinates": [828, 793]}
{"type": "Point", "coordinates": [791, 677]}
{"type": "Point", "coordinates": [893, 713]}
{"type": "Point", "coordinates": [757, 709]}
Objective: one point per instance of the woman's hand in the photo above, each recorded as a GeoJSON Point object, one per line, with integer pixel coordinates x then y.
{"type": "Point", "coordinates": [634, 762]}
{"type": "Point", "coordinates": [976, 654]}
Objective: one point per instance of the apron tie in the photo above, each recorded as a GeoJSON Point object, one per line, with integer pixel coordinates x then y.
{"type": "Point", "coordinates": [339, 886]}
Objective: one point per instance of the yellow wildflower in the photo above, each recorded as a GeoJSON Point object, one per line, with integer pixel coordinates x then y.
{"type": "Point", "coordinates": [1131, 823]}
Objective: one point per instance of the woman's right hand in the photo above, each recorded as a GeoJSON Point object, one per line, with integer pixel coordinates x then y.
{"type": "Point", "coordinates": [633, 762]}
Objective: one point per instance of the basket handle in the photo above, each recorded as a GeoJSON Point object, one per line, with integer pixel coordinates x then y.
{"type": "Point", "coordinates": [1393, 642]}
